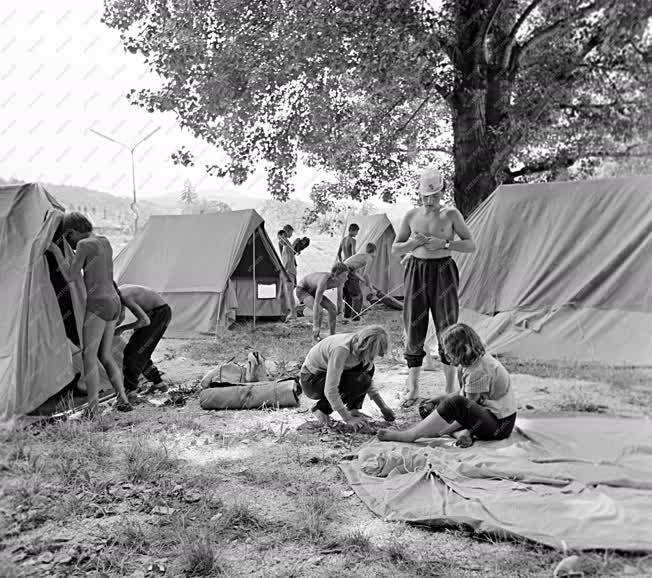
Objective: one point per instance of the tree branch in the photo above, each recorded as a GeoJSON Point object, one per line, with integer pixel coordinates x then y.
{"type": "Point", "coordinates": [493, 10]}
{"type": "Point", "coordinates": [412, 116]}
{"type": "Point", "coordinates": [565, 161]}
{"type": "Point", "coordinates": [511, 37]}
{"type": "Point", "coordinates": [541, 35]}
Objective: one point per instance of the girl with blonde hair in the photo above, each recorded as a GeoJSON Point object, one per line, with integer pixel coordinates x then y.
{"type": "Point", "coordinates": [338, 372]}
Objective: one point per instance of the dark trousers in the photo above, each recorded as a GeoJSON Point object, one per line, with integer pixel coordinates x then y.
{"type": "Point", "coordinates": [430, 287]}
{"type": "Point", "coordinates": [138, 352]}
{"type": "Point", "coordinates": [354, 384]}
{"type": "Point", "coordinates": [352, 296]}
{"type": "Point", "coordinates": [482, 424]}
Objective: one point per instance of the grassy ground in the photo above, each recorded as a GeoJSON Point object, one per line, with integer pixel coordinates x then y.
{"type": "Point", "coordinates": [178, 491]}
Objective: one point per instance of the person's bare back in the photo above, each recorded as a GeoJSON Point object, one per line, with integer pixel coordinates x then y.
{"type": "Point", "coordinates": [98, 266]}
{"type": "Point", "coordinates": [311, 281]}
{"type": "Point", "coordinates": [145, 297]}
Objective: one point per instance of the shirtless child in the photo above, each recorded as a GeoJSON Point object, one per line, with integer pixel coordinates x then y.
{"type": "Point", "coordinates": [94, 255]}
{"type": "Point", "coordinates": [347, 245]}
{"type": "Point", "coordinates": [358, 265]}
{"type": "Point", "coordinates": [431, 277]}
{"type": "Point", "coordinates": [311, 289]}
{"type": "Point", "coordinates": [153, 316]}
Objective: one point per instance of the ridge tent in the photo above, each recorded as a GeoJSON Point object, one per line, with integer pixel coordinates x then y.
{"type": "Point", "coordinates": [386, 272]}
{"type": "Point", "coordinates": [206, 268]}
{"type": "Point", "coordinates": [562, 271]}
{"type": "Point", "coordinates": [39, 337]}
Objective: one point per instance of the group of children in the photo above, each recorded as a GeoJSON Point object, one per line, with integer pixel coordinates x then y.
{"type": "Point", "coordinates": [104, 312]}
{"type": "Point", "coordinates": [338, 371]}
{"type": "Point", "coordinates": [479, 402]}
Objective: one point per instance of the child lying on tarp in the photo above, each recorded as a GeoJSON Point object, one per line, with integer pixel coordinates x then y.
{"type": "Point", "coordinates": [485, 407]}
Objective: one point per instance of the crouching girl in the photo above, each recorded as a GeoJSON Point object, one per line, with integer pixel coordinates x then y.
{"type": "Point", "coordinates": [484, 408]}
{"type": "Point", "coordinates": [338, 372]}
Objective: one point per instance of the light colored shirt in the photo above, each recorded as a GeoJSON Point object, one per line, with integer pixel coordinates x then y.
{"type": "Point", "coordinates": [332, 355]}
{"type": "Point", "coordinates": [488, 376]}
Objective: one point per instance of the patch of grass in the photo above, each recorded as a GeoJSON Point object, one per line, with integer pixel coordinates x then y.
{"type": "Point", "coordinates": [603, 373]}
{"type": "Point", "coordinates": [237, 520]}
{"type": "Point", "coordinates": [144, 462]}
{"type": "Point", "coordinates": [199, 554]}
{"type": "Point", "coordinates": [315, 512]}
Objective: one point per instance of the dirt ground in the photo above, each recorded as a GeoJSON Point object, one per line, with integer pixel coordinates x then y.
{"type": "Point", "coordinates": [179, 491]}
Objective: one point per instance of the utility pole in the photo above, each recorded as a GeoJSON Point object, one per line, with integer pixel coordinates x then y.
{"type": "Point", "coordinates": [131, 149]}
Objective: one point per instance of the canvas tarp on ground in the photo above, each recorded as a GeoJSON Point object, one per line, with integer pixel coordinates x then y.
{"type": "Point", "coordinates": [36, 354]}
{"type": "Point", "coordinates": [577, 480]}
{"type": "Point", "coordinates": [386, 272]}
{"type": "Point", "coordinates": [562, 271]}
{"type": "Point", "coordinates": [203, 265]}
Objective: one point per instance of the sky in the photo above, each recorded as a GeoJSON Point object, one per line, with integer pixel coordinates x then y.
{"type": "Point", "coordinates": [63, 72]}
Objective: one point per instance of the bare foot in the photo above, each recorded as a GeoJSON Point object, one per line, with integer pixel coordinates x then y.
{"type": "Point", "coordinates": [410, 400]}
{"type": "Point", "coordinates": [322, 418]}
{"type": "Point", "coordinates": [358, 413]}
{"type": "Point", "coordinates": [392, 435]}
{"type": "Point", "coordinates": [123, 405]}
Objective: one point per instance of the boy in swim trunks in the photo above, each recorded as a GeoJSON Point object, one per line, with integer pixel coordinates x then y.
{"type": "Point", "coordinates": [311, 288]}
{"type": "Point", "coordinates": [153, 316]}
{"type": "Point", "coordinates": [93, 254]}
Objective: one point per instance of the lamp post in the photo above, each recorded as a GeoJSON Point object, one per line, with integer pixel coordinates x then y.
{"type": "Point", "coordinates": [133, 206]}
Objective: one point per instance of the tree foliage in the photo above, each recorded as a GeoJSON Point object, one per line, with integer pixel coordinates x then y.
{"type": "Point", "coordinates": [492, 90]}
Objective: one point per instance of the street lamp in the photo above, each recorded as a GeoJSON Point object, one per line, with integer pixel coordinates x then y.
{"type": "Point", "coordinates": [133, 206]}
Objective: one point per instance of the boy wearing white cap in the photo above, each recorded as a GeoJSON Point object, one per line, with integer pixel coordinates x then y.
{"type": "Point", "coordinates": [431, 277]}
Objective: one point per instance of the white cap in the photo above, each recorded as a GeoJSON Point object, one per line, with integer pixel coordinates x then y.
{"type": "Point", "coordinates": [431, 182]}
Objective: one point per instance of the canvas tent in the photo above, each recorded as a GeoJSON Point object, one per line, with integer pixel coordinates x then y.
{"type": "Point", "coordinates": [207, 268]}
{"type": "Point", "coordinates": [41, 317]}
{"type": "Point", "coordinates": [563, 271]}
{"type": "Point", "coordinates": [386, 272]}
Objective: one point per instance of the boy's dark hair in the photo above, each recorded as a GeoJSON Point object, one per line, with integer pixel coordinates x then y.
{"type": "Point", "coordinates": [281, 232]}
{"type": "Point", "coordinates": [74, 221]}
{"type": "Point", "coordinates": [370, 248]}
{"type": "Point", "coordinates": [338, 269]}
{"type": "Point", "coordinates": [353, 227]}
{"type": "Point", "coordinates": [288, 228]}
{"type": "Point", "coordinates": [462, 345]}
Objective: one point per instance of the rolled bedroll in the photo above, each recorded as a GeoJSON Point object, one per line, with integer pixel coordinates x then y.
{"type": "Point", "coordinates": [385, 299]}
{"type": "Point", "coordinates": [257, 395]}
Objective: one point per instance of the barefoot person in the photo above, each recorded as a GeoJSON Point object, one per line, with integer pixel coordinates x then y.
{"type": "Point", "coordinates": [153, 316]}
{"type": "Point", "coordinates": [348, 244]}
{"type": "Point", "coordinates": [485, 407]}
{"type": "Point", "coordinates": [431, 276]}
{"type": "Point", "coordinates": [289, 261]}
{"type": "Point", "coordinates": [358, 265]}
{"type": "Point", "coordinates": [311, 290]}
{"type": "Point", "coordinates": [338, 372]}
{"type": "Point", "coordinates": [93, 255]}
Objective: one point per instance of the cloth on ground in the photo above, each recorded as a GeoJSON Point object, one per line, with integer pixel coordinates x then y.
{"type": "Point", "coordinates": [252, 396]}
{"type": "Point", "coordinates": [578, 480]}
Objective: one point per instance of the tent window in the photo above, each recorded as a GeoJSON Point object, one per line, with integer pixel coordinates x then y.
{"type": "Point", "coordinates": [266, 291]}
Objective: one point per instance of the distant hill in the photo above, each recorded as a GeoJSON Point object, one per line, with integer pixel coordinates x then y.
{"type": "Point", "coordinates": [105, 210]}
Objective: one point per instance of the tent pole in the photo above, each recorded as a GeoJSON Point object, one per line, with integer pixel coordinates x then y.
{"type": "Point", "coordinates": [253, 253]}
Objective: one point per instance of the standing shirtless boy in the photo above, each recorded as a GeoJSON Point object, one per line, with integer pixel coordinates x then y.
{"type": "Point", "coordinates": [431, 277]}
{"type": "Point", "coordinates": [311, 288]}
{"type": "Point", "coordinates": [94, 255]}
{"type": "Point", "coordinates": [153, 316]}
